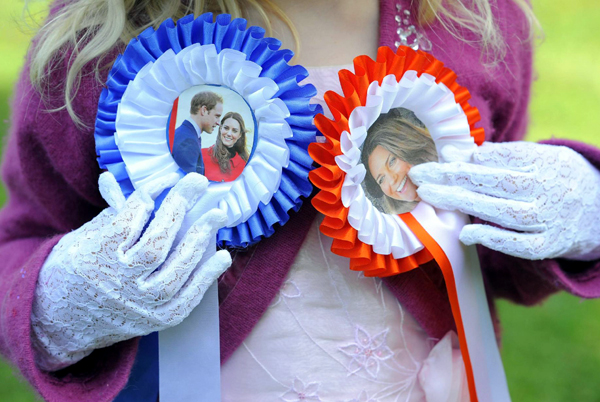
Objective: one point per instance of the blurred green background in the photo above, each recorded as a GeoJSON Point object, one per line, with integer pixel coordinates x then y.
{"type": "Point", "coordinates": [551, 352]}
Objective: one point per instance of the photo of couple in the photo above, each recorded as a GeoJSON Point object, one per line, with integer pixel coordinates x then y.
{"type": "Point", "coordinates": [197, 114]}
{"type": "Point", "coordinates": [397, 141]}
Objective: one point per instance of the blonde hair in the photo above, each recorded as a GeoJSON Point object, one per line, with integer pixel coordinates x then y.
{"type": "Point", "coordinates": [475, 16]}
{"type": "Point", "coordinates": [91, 28]}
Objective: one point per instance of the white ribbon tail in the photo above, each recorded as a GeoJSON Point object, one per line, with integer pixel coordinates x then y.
{"type": "Point", "coordinates": [189, 353]}
{"type": "Point", "coordinates": [488, 372]}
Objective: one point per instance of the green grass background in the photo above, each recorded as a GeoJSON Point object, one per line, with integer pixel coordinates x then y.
{"type": "Point", "coordinates": [551, 352]}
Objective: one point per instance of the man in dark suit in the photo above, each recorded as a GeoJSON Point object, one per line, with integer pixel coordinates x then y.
{"type": "Point", "coordinates": [206, 109]}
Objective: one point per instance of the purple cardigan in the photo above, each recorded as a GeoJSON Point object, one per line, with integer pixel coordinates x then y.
{"type": "Point", "coordinates": [50, 170]}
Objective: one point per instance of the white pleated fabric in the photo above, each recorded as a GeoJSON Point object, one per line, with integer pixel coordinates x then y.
{"type": "Point", "coordinates": [144, 111]}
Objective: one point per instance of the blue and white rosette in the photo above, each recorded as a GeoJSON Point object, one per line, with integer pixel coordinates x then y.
{"type": "Point", "coordinates": [131, 143]}
{"type": "Point", "coordinates": [159, 65]}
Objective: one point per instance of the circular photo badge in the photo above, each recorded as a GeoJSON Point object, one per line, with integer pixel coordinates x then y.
{"type": "Point", "coordinates": [396, 142]}
{"type": "Point", "coordinates": [211, 131]}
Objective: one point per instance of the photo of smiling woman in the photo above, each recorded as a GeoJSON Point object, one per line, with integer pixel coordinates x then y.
{"type": "Point", "coordinates": [226, 159]}
{"type": "Point", "coordinates": [396, 142]}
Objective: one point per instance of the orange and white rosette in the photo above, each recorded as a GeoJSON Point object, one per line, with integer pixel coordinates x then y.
{"type": "Point", "coordinates": [381, 243]}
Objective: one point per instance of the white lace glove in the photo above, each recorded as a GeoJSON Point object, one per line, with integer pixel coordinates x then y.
{"type": "Point", "coordinates": [103, 283]}
{"type": "Point", "coordinates": [548, 195]}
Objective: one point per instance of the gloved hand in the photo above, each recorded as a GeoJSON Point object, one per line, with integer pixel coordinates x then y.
{"type": "Point", "coordinates": [111, 280]}
{"type": "Point", "coordinates": [548, 195]}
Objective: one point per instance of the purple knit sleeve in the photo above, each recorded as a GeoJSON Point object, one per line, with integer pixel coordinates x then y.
{"type": "Point", "coordinates": [51, 175]}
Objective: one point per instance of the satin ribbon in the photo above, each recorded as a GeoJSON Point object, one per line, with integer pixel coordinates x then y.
{"type": "Point", "coordinates": [439, 231]}
{"type": "Point", "coordinates": [189, 354]}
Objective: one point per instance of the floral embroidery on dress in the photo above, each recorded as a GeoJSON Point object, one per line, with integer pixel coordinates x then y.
{"type": "Point", "coordinates": [378, 285]}
{"type": "Point", "coordinates": [289, 290]}
{"type": "Point", "coordinates": [299, 392]}
{"type": "Point", "coordinates": [367, 352]}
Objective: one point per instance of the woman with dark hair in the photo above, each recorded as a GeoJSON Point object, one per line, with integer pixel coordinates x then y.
{"type": "Point", "coordinates": [396, 142]}
{"type": "Point", "coordinates": [225, 160]}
